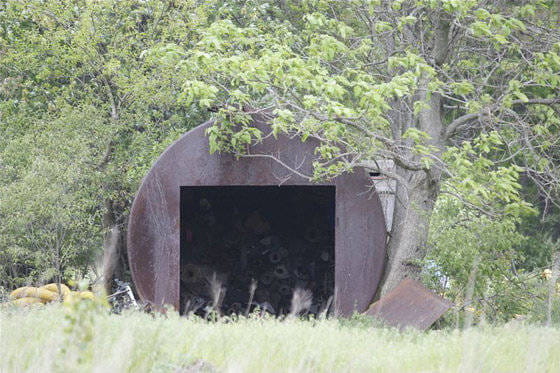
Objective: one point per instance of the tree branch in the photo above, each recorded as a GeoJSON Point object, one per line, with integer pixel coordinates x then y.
{"type": "Point", "coordinates": [454, 126]}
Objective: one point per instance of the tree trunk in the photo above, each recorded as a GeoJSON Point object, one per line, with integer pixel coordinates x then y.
{"type": "Point", "coordinates": [415, 201]}
{"type": "Point", "coordinates": [113, 246]}
{"type": "Point", "coordinates": [407, 244]}
{"type": "Point", "coordinates": [113, 224]}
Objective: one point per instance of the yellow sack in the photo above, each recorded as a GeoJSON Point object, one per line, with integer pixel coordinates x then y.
{"type": "Point", "coordinates": [32, 292]}
{"type": "Point", "coordinates": [54, 288]}
{"type": "Point", "coordinates": [76, 296]}
{"type": "Point", "coordinates": [26, 301]}
{"type": "Point", "coordinates": [86, 295]}
{"type": "Point", "coordinates": [47, 296]}
{"type": "Point", "coordinates": [20, 292]}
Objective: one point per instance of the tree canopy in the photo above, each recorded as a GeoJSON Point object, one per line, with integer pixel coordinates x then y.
{"type": "Point", "coordinates": [463, 97]}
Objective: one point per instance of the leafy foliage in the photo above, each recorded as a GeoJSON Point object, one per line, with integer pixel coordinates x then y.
{"type": "Point", "coordinates": [141, 342]}
{"type": "Point", "coordinates": [84, 113]}
{"type": "Point", "coordinates": [461, 95]}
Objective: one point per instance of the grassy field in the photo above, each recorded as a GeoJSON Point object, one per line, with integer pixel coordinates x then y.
{"type": "Point", "coordinates": [55, 338]}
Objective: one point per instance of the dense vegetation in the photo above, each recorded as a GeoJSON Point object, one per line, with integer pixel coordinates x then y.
{"type": "Point", "coordinates": [462, 95]}
{"type": "Point", "coordinates": [136, 342]}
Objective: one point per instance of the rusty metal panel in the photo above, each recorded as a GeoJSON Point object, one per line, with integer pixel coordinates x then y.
{"type": "Point", "coordinates": [154, 223]}
{"type": "Point", "coordinates": [410, 304]}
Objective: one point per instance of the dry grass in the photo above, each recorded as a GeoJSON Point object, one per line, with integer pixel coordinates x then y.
{"type": "Point", "coordinates": [81, 339]}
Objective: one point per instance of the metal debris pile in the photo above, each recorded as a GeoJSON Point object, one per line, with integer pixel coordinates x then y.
{"type": "Point", "coordinates": [239, 256]}
{"type": "Point", "coordinates": [122, 297]}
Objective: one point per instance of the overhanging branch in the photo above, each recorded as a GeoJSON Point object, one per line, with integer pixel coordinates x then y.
{"type": "Point", "coordinates": [464, 119]}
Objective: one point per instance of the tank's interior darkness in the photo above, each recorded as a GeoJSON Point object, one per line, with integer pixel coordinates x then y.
{"type": "Point", "coordinates": [277, 238]}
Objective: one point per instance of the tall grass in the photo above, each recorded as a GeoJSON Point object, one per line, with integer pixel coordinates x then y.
{"type": "Point", "coordinates": [57, 339]}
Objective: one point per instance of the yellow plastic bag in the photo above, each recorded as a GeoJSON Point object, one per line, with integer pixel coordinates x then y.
{"type": "Point", "coordinates": [54, 288]}
{"type": "Point", "coordinates": [43, 295]}
{"type": "Point", "coordinates": [26, 301]}
{"type": "Point", "coordinates": [76, 296]}
{"type": "Point", "coordinates": [87, 295]}
{"type": "Point", "coordinates": [20, 292]}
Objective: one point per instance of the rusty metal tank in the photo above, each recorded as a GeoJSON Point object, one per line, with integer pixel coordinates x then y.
{"type": "Point", "coordinates": [155, 223]}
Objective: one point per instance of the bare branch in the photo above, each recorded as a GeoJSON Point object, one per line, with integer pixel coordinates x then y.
{"type": "Point", "coordinates": [462, 120]}
{"type": "Point", "coordinates": [279, 161]}
{"type": "Point", "coordinates": [454, 126]}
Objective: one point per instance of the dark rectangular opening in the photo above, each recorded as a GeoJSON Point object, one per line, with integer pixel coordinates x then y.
{"type": "Point", "coordinates": [281, 238]}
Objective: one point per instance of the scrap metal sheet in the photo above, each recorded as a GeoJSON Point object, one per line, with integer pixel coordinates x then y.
{"type": "Point", "coordinates": [410, 304]}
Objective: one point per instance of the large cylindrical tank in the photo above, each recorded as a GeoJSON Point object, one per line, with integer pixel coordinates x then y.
{"type": "Point", "coordinates": [157, 230]}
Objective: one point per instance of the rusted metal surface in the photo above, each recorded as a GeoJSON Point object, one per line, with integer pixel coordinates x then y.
{"type": "Point", "coordinates": [410, 304]}
{"type": "Point", "coordinates": [154, 224]}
